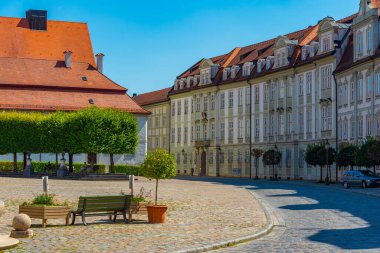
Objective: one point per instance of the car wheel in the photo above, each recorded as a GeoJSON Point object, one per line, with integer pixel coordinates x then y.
{"type": "Point", "coordinates": [364, 185]}
{"type": "Point", "coordinates": [345, 185]}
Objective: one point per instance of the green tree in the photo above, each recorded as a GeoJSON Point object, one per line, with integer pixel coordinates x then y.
{"type": "Point", "coordinates": [316, 156]}
{"type": "Point", "coordinates": [368, 154]}
{"type": "Point", "coordinates": [158, 165]}
{"type": "Point", "coordinates": [272, 157]}
{"type": "Point", "coordinates": [257, 153]}
{"type": "Point", "coordinates": [346, 156]}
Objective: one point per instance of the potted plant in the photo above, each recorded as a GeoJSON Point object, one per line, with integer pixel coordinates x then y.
{"type": "Point", "coordinates": [158, 164]}
{"type": "Point", "coordinates": [46, 207]}
{"type": "Point", "coordinates": [139, 203]}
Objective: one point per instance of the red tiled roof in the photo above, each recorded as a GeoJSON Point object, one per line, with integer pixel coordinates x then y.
{"type": "Point", "coordinates": [52, 100]}
{"type": "Point", "coordinates": [50, 73]}
{"type": "Point", "coordinates": [18, 41]}
{"type": "Point", "coordinates": [152, 97]}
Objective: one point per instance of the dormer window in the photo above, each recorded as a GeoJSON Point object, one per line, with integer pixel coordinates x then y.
{"type": "Point", "coordinates": [260, 64]}
{"type": "Point", "coordinates": [176, 84]}
{"type": "Point", "coordinates": [360, 43]}
{"type": "Point", "coordinates": [196, 79]}
{"type": "Point", "coordinates": [247, 68]}
{"type": "Point", "coordinates": [188, 81]}
{"type": "Point", "coordinates": [234, 71]}
{"type": "Point", "coordinates": [369, 40]}
{"type": "Point", "coordinates": [305, 52]}
{"type": "Point", "coordinates": [226, 72]}
{"type": "Point", "coordinates": [181, 84]}
{"type": "Point", "coordinates": [205, 76]}
{"type": "Point", "coordinates": [269, 62]}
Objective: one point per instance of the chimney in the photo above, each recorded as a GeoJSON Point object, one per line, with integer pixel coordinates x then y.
{"type": "Point", "coordinates": [68, 58]}
{"type": "Point", "coordinates": [37, 19]}
{"type": "Point", "coordinates": [99, 62]}
{"type": "Point", "coordinates": [134, 95]}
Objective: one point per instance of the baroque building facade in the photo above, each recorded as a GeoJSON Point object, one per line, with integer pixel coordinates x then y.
{"type": "Point", "coordinates": [319, 83]}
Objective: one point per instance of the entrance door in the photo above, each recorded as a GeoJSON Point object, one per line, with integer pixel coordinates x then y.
{"type": "Point", "coordinates": [203, 164]}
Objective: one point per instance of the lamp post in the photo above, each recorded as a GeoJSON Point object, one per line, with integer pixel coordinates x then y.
{"type": "Point", "coordinates": [327, 146]}
{"type": "Point", "coordinates": [275, 154]}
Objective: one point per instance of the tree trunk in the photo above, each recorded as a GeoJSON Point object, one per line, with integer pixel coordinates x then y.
{"type": "Point", "coordinates": [56, 160]}
{"type": "Point", "coordinates": [374, 169]}
{"type": "Point", "coordinates": [112, 163]}
{"type": "Point", "coordinates": [156, 191]}
{"type": "Point", "coordinates": [24, 160]}
{"type": "Point", "coordinates": [71, 168]}
{"type": "Point", "coordinates": [15, 162]}
{"type": "Point", "coordinates": [320, 176]}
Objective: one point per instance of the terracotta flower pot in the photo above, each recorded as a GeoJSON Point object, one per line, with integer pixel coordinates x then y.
{"type": "Point", "coordinates": [157, 214]}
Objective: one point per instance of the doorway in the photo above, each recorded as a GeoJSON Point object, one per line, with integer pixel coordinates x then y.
{"type": "Point", "coordinates": [203, 164]}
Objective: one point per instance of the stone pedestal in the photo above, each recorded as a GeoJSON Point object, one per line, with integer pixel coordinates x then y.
{"type": "Point", "coordinates": [22, 234]}
{"type": "Point", "coordinates": [28, 170]}
{"type": "Point", "coordinates": [62, 171]}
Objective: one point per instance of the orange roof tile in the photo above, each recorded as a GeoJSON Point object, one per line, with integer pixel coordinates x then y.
{"type": "Point", "coordinates": [152, 97]}
{"type": "Point", "coordinates": [17, 40]}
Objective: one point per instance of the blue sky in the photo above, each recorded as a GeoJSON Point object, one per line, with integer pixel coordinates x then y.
{"type": "Point", "coordinates": [148, 43]}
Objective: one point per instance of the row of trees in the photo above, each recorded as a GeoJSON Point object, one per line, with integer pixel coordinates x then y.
{"type": "Point", "coordinates": [92, 130]}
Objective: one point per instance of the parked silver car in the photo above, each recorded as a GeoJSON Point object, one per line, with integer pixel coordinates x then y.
{"type": "Point", "coordinates": [361, 178]}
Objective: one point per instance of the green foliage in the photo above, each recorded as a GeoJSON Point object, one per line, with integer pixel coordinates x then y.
{"type": "Point", "coordinates": [368, 154]}
{"type": "Point", "coordinates": [271, 157]}
{"type": "Point", "coordinates": [129, 169]}
{"type": "Point", "coordinates": [257, 153]}
{"type": "Point", "coordinates": [45, 200]}
{"type": "Point", "coordinates": [159, 164]}
{"type": "Point", "coordinates": [346, 156]}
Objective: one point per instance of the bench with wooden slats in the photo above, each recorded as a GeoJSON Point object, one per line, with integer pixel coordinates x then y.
{"type": "Point", "coordinates": [102, 206]}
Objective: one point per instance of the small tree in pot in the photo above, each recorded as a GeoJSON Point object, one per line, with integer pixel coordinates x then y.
{"type": "Point", "coordinates": [158, 164]}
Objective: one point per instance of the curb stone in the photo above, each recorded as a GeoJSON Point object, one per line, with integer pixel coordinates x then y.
{"type": "Point", "coordinates": [272, 221]}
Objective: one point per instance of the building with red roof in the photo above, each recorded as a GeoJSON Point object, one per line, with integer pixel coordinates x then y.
{"type": "Point", "coordinates": [50, 65]}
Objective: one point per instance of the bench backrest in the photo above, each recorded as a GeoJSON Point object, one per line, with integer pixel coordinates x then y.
{"type": "Point", "coordinates": [104, 203]}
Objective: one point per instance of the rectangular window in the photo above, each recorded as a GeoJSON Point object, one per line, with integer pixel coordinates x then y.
{"type": "Point", "coordinates": [230, 130]}
{"type": "Point", "coordinates": [192, 105]}
{"type": "Point", "coordinates": [240, 129]}
{"type": "Point", "coordinates": [179, 108]}
{"type": "Point", "coordinates": [289, 89]}
{"type": "Point", "coordinates": [198, 105]}
{"type": "Point", "coordinates": [257, 128]}
{"type": "Point", "coordinates": [308, 121]}
{"type": "Point", "coordinates": [239, 156]}
{"type": "Point", "coordinates": [326, 77]}
{"type": "Point", "coordinates": [352, 92]}
{"type": "Point", "coordinates": [271, 123]}
{"type": "Point", "coordinates": [247, 129]}
{"type": "Point", "coordinates": [173, 109]}
{"type": "Point", "coordinates": [173, 135]}
{"type": "Point", "coordinates": [353, 134]}
{"type": "Point", "coordinates": [301, 122]}
{"type": "Point", "coordinates": [273, 91]}
{"type": "Point", "coordinates": [265, 127]}
{"type": "Point", "coordinates": [266, 92]}
{"type": "Point", "coordinates": [222, 100]}
{"type": "Point", "coordinates": [186, 106]}
{"type": "Point", "coordinates": [301, 159]}
{"type": "Point", "coordinates": [163, 123]}
{"type": "Point", "coordinates": [240, 97]}
{"type": "Point", "coordinates": [230, 156]}
{"type": "Point", "coordinates": [230, 99]}
{"type": "Point", "coordinates": [179, 135]}
{"type": "Point", "coordinates": [257, 95]}
{"type": "Point", "coordinates": [289, 123]}
{"type": "Point", "coordinates": [360, 89]}
{"type": "Point", "coordinates": [282, 89]}
{"type": "Point", "coordinates": [360, 43]}
{"type": "Point", "coordinates": [212, 102]}
{"type": "Point", "coordinates": [204, 132]}
{"type": "Point", "coordinates": [360, 126]}
{"type": "Point", "coordinates": [186, 134]}
{"type": "Point", "coordinates": [369, 40]}
{"type": "Point", "coordinates": [369, 87]}
{"type": "Point", "coordinates": [247, 95]}
{"type": "Point", "coordinates": [222, 131]}
{"type": "Point", "coordinates": [213, 131]}
{"type": "Point", "coordinates": [205, 104]}
{"type": "Point", "coordinates": [326, 44]}
{"type": "Point", "coordinates": [288, 158]}
{"type": "Point", "coordinates": [327, 118]}
{"type": "Point", "coordinates": [281, 124]}
{"type": "Point", "coordinates": [308, 83]}
{"type": "Point", "coordinates": [300, 85]}
{"type": "Point", "coordinates": [198, 132]}
{"type": "Point", "coordinates": [369, 126]}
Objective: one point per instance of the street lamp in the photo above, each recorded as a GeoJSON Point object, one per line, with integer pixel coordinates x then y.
{"type": "Point", "coordinates": [327, 146]}
{"type": "Point", "coordinates": [275, 154]}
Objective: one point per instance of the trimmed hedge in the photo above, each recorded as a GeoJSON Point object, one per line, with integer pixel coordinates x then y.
{"type": "Point", "coordinates": [129, 169]}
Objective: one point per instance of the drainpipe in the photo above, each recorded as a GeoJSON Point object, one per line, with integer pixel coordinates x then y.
{"type": "Point", "coordinates": [250, 128]}
{"type": "Point", "coordinates": [170, 124]}
{"type": "Point", "coordinates": [336, 125]}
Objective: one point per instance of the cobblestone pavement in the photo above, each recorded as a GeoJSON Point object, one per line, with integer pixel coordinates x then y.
{"type": "Point", "coordinates": [200, 213]}
{"type": "Point", "coordinates": [315, 218]}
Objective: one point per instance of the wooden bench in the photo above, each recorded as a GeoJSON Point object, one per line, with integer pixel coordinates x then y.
{"type": "Point", "coordinates": [102, 206]}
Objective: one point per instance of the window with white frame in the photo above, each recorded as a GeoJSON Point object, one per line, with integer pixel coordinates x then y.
{"type": "Point", "coordinates": [179, 135]}
{"type": "Point", "coordinates": [230, 99]}
{"type": "Point", "coordinates": [186, 109]}
{"type": "Point", "coordinates": [377, 90]}
{"type": "Point", "coordinates": [360, 89]}
{"type": "Point", "coordinates": [212, 102]}
{"type": "Point", "coordinates": [192, 105]}
{"type": "Point", "coordinates": [205, 76]}
{"type": "Point", "coordinates": [213, 131]}
{"type": "Point", "coordinates": [289, 122]}
{"type": "Point", "coordinates": [369, 125]}
{"type": "Point", "coordinates": [352, 92]}
{"type": "Point", "coordinates": [205, 103]}
{"type": "Point", "coordinates": [309, 121]}
{"type": "Point", "coordinates": [369, 40]}
{"type": "Point", "coordinates": [369, 87]}
{"type": "Point", "coordinates": [247, 129]}
{"type": "Point", "coordinates": [266, 93]}
{"type": "Point", "coordinates": [301, 159]}
{"type": "Point", "coordinates": [247, 67]}
{"type": "Point", "coordinates": [345, 94]}
{"type": "Point", "coordinates": [282, 89]}
{"type": "Point", "coordinates": [192, 133]}
{"type": "Point", "coordinates": [345, 129]}
{"type": "Point", "coordinates": [185, 134]}
{"type": "Point", "coordinates": [265, 126]}
{"type": "Point", "coordinates": [222, 100]}
{"type": "Point", "coordinates": [288, 158]}
{"type": "Point", "coordinates": [360, 43]}
{"type": "Point", "coordinates": [247, 95]}
{"type": "Point", "coordinates": [281, 124]}
{"type": "Point", "coordinates": [226, 71]}
{"type": "Point", "coordinates": [222, 131]}
{"type": "Point", "coordinates": [309, 77]}
{"type": "Point", "coordinates": [272, 91]}
{"type": "Point", "coordinates": [240, 97]}
{"type": "Point", "coordinates": [326, 77]}
{"type": "Point", "coordinates": [173, 108]}
{"type": "Point", "coordinates": [271, 123]}
{"type": "Point", "coordinates": [240, 129]}
{"type": "Point", "coordinates": [173, 135]}
{"type": "Point", "coordinates": [198, 132]}
{"type": "Point", "coordinates": [289, 89]}
{"type": "Point", "coordinates": [230, 130]}
{"type": "Point", "coordinates": [211, 157]}
{"type": "Point", "coordinates": [179, 108]}
{"type": "Point", "coordinates": [353, 128]}
{"type": "Point", "coordinates": [326, 118]}
{"type": "Point", "coordinates": [239, 156]}
{"type": "Point", "coordinates": [230, 156]}
{"type": "Point", "coordinates": [257, 95]}
{"type": "Point", "coordinates": [300, 85]}
{"type": "Point", "coordinates": [205, 132]}
{"type": "Point", "coordinates": [360, 126]}
{"type": "Point", "coordinates": [326, 44]}
{"type": "Point", "coordinates": [301, 122]}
